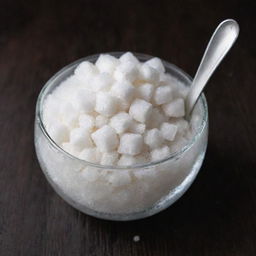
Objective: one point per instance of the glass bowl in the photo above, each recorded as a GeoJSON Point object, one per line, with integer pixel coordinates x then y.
{"type": "Point", "coordinates": [114, 192]}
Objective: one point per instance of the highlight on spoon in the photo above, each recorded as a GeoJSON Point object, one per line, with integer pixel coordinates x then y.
{"type": "Point", "coordinates": [220, 43]}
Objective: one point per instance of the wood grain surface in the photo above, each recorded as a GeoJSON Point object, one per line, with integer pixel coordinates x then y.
{"type": "Point", "coordinates": [217, 216]}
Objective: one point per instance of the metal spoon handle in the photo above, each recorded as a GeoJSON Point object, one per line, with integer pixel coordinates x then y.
{"type": "Point", "coordinates": [221, 41]}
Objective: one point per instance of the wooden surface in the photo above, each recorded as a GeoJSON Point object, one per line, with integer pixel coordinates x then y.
{"type": "Point", "coordinates": [217, 216]}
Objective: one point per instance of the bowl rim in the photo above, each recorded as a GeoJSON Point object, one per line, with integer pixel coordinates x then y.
{"type": "Point", "coordinates": [144, 57]}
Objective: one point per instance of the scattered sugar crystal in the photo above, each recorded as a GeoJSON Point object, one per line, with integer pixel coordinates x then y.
{"type": "Point", "coordinates": [105, 139]}
{"type": "Point", "coordinates": [121, 122]}
{"type": "Point", "coordinates": [153, 138]}
{"type": "Point", "coordinates": [107, 63]}
{"type": "Point", "coordinates": [140, 110]}
{"type": "Point", "coordinates": [119, 178]}
{"type": "Point", "coordinates": [136, 238]}
{"type": "Point", "coordinates": [90, 174]}
{"type": "Point", "coordinates": [176, 108]}
{"type": "Point", "coordinates": [130, 144]}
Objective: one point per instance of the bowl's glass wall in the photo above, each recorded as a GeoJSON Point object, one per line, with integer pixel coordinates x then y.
{"type": "Point", "coordinates": [151, 188]}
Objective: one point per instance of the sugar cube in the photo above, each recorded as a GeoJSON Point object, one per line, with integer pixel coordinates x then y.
{"type": "Point", "coordinates": [59, 133]}
{"type": "Point", "coordinates": [109, 158]}
{"type": "Point", "coordinates": [120, 178]}
{"type": "Point", "coordinates": [86, 121]}
{"type": "Point", "coordinates": [105, 139]}
{"type": "Point", "coordinates": [176, 108]}
{"type": "Point", "coordinates": [156, 118]}
{"type": "Point", "coordinates": [80, 138]}
{"type": "Point", "coordinates": [101, 121]}
{"type": "Point", "coordinates": [101, 82]}
{"type": "Point", "coordinates": [91, 155]}
{"type": "Point", "coordinates": [149, 74]}
{"type": "Point", "coordinates": [157, 64]}
{"type": "Point", "coordinates": [126, 71]}
{"type": "Point", "coordinates": [121, 122]}
{"type": "Point", "coordinates": [126, 160]}
{"type": "Point", "coordinates": [136, 127]}
{"type": "Point", "coordinates": [107, 63]}
{"type": "Point", "coordinates": [84, 101]}
{"type": "Point", "coordinates": [130, 144]}
{"type": "Point", "coordinates": [153, 138]}
{"type": "Point", "coordinates": [163, 94]}
{"type": "Point", "coordinates": [168, 131]}
{"type": "Point", "coordinates": [85, 71]}
{"type": "Point", "coordinates": [160, 153]}
{"type": "Point", "coordinates": [128, 56]}
{"type": "Point", "coordinates": [145, 91]}
{"type": "Point", "coordinates": [106, 104]}
{"type": "Point", "coordinates": [140, 110]}
{"type": "Point", "coordinates": [123, 90]}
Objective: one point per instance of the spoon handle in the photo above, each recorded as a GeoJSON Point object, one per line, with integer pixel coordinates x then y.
{"type": "Point", "coordinates": [221, 41]}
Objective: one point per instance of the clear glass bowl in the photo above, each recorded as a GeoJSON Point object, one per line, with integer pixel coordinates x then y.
{"type": "Point", "coordinates": [152, 187]}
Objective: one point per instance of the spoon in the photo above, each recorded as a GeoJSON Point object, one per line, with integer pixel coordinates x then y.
{"type": "Point", "coordinates": [221, 41]}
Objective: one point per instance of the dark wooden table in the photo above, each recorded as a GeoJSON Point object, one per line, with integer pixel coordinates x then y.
{"type": "Point", "coordinates": [217, 216]}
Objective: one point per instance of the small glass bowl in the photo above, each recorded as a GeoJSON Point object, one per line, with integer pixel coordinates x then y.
{"type": "Point", "coordinates": [114, 192]}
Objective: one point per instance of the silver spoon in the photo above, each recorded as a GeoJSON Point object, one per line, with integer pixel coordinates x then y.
{"type": "Point", "coordinates": [221, 41]}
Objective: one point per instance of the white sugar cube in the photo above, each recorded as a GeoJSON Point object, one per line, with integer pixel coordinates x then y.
{"type": "Point", "coordinates": [90, 174]}
{"type": "Point", "coordinates": [140, 110]}
{"type": "Point", "coordinates": [168, 131]}
{"type": "Point", "coordinates": [121, 122]}
{"type": "Point", "coordinates": [145, 91]}
{"type": "Point", "coordinates": [149, 74]}
{"type": "Point", "coordinates": [69, 147]}
{"type": "Point", "coordinates": [86, 121]}
{"type": "Point", "coordinates": [105, 139]}
{"type": "Point", "coordinates": [90, 154]}
{"type": "Point", "coordinates": [176, 108]}
{"type": "Point", "coordinates": [120, 178]}
{"type": "Point", "coordinates": [156, 118]}
{"type": "Point", "coordinates": [107, 63]}
{"type": "Point", "coordinates": [182, 126]}
{"type": "Point", "coordinates": [163, 94]}
{"type": "Point", "coordinates": [126, 160]}
{"type": "Point", "coordinates": [84, 101]}
{"type": "Point", "coordinates": [68, 114]}
{"type": "Point", "coordinates": [123, 90]}
{"type": "Point", "coordinates": [126, 71]}
{"type": "Point", "coordinates": [157, 64]}
{"type": "Point", "coordinates": [80, 138]}
{"type": "Point", "coordinates": [101, 82]}
{"type": "Point", "coordinates": [136, 127]}
{"type": "Point", "coordinates": [153, 138]}
{"type": "Point", "coordinates": [106, 104]}
{"type": "Point", "coordinates": [85, 71]}
{"type": "Point", "coordinates": [130, 144]}
{"type": "Point", "coordinates": [109, 158]}
{"type": "Point", "coordinates": [101, 121]}
{"type": "Point", "coordinates": [59, 133]}
{"type": "Point", "coordinates": [128, 56]}
{"type": "Point", "coordinates": [160, 153]}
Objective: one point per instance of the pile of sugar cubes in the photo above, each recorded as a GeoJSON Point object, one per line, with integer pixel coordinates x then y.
{"type": "Point", "coordinates": [118, 111]}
